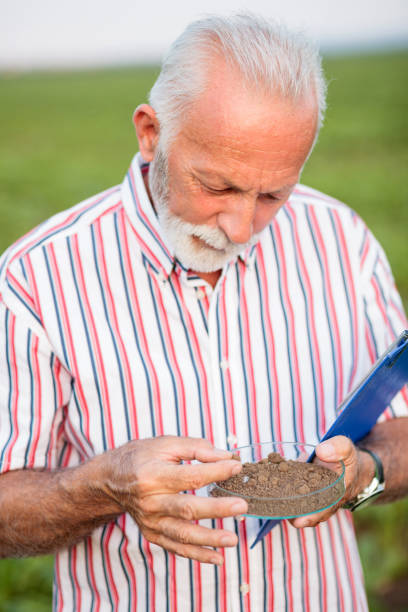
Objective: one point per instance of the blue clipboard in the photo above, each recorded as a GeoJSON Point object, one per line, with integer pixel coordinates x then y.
{"type": "Point", "coordinates": [362, 407]}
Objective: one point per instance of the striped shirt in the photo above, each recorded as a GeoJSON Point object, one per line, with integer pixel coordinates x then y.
{"type": "Point", "coordinates": [106, 338]}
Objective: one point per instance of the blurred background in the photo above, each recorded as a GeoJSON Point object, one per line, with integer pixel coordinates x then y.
{"type": "Point", "coordinates": [71, 74]}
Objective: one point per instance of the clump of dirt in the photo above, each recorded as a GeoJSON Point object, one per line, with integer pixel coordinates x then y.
{"type": "Point", "coordinates": [294, 487]}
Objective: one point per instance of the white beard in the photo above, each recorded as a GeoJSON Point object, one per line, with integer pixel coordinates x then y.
{"type": "Point", "coordinates": [197, 247]}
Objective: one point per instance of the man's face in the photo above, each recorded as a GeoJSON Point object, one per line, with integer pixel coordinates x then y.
{"type": "Point", "coordinates": [232, 166]}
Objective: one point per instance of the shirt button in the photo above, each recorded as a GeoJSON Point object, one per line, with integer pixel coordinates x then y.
{"type": "Point", "coordinates": [200, 294]}
{"type": "Point", "coordinates": [162, 277]}
{"type": "Point", "coordinates": [244, 588]}
{"type": "Point", "coordinates": [224, 365]}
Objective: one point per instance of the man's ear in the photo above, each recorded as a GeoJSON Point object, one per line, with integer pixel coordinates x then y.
{"type": "Point", "coordinates": [147, 130]}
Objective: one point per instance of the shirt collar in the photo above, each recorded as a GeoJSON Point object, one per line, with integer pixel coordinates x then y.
{"type": "Point", "coordinates": [141, 213]}
{"type": "Point", "coordinates": [149, 233]}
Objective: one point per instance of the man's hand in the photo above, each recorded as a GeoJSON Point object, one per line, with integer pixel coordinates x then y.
{"type": "Point", "coordinates": [359, 471]}
{"type": "Point", "coordinates": [146, 479]}
{"type": "Point", "coordinates": [43, 511]}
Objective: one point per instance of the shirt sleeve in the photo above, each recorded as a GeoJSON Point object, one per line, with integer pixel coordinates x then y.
{"type": "Point", "coordinates": [34, 386]}
{"type": "Point", "coordinates": [384, 313]}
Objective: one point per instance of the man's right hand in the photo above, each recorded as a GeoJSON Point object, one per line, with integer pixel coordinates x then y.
{"type": "Point", "coordinates": [42, 511]}
{"type": "Point", "coordinates": [146, 478]}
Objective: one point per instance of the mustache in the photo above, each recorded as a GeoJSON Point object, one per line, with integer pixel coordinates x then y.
{"type": "Point", "coordinates": [213, 236]}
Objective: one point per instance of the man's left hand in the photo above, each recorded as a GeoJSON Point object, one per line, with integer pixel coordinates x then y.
{"type": "Point", "coordinates": [359, 471]}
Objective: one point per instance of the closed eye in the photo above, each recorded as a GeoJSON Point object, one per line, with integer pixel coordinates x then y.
{"type": "Point", "coordinates": [216, 191]}
{"type": "Point", "coordinates": [272, 197]}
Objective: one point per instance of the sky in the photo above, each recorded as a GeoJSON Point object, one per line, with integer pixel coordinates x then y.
{"type": "Point", "coordinates": [76, 33]}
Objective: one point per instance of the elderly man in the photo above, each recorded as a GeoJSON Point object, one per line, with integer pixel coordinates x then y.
{"type": "Point", "coordinates": [209, 301]}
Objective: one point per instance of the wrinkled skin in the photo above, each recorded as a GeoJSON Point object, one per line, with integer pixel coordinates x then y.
{"type": "Point", "coordinates": [146, 479]}
{"type": "Point", "coordinates": [359, 471]}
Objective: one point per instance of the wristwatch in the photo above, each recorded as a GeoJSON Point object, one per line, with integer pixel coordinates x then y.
{"type": "Point", "coordinates": [375, 488]}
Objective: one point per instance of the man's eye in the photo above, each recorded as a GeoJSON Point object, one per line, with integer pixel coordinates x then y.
{"type": "Point", "coordinates": [213, 190]}
{"type": "Point", "coordinates": [272, 197]}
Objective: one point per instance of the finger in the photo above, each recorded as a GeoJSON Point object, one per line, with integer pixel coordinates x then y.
{"type": "Point", "coordinates": [313, 519]}
{"type": "Point", "coordinates": [192, 533]}
{"type": "Point", "coordinates": [213, 454]}
{"type": "Point", "coordinates": [175, 478]}
{"type": "Point", "coordinates": [188, 449]}
{"type": "Point", "coordinates": [338, 448]}
{"type": "Point", "coordinates": [198, 553]}
{"type": "Point", "coordinates": [191, 507]}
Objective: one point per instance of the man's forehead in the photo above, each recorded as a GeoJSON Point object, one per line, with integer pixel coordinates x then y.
{"type": "Point", "coordinates": [265, 130]}
{"type": "Point", "coordinates": [228, 95]}
{"type": "Point", "coordinates": [236, 118]}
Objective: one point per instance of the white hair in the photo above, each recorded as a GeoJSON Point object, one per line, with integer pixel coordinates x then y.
{"type": "Point", "coordinates": [270, 58]}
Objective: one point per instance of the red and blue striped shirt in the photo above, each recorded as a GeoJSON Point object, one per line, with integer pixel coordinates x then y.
{"type": "Point", "coordinates": [106, 338]}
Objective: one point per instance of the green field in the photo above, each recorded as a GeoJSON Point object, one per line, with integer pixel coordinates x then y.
{"type": "Point", "coordinates": [66, 136]}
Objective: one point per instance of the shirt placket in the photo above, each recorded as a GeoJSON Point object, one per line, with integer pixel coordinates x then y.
{"type": "Point", "coordinates": [219, 364]}
{"type": "Point", "coordinates": [218, 367]}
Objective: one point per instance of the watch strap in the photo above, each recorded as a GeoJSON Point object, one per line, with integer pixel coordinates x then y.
{"type": "Point", "coordinates": [379, 470]}
{"type": "Point", "coordinates": [375, 488]}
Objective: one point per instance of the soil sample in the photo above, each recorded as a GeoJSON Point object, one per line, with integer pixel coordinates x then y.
{"type": "Point", "coordinates": [275, 487]}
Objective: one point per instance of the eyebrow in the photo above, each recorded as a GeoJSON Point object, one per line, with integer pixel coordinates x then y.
{"type": "Point", "coordinates": [229, 185]}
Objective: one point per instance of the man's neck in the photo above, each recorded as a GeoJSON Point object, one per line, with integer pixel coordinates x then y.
{"type": "Point", "coordinates": [209, 277]}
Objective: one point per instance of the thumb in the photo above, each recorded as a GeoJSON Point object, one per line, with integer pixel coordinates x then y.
{"type": "Point", "coordinates": [336, 449]}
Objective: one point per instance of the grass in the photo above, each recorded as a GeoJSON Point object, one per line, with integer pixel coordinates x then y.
{"type": "Point", "coordinates": [362, 154]}
{"type": "Point", "coordinates": [69, 135]}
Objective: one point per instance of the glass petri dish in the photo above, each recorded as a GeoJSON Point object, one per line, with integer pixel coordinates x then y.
{"type": "Point", "coordinates": [285, 506]}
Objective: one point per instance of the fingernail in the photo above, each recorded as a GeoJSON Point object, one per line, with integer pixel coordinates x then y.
{"type": "Point", "coordinates": [238, 507]}
{"type": "Point", "coordinates": [217, 561]}
{"type": "Point", "coordinates": [228, 540]}
{"type": "Point", "coordinates": [328, 450]}
{"type": "Point", "coordinates": [221, 451]}
{"type": "Point", "coordinates": [237, 468]}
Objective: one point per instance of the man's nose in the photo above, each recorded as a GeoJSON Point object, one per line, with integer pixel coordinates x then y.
{"type": "Point", "coordinates": [237, 220]}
